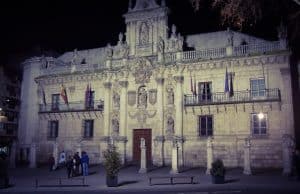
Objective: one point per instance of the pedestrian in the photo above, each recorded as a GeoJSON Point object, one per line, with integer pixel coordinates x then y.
{"type": "Point", "coordinates": [85, 164]}
{"type": "Point", "coordinates": [70, 167]}
{"type": "Point", "coordinates": [4, 169]}
{"type": "Point", "coordinates": [62, 159]}
{"type": "Point", "coordinates": [77, 163]}
{"type": "Point", "coordinates": [51, 162]}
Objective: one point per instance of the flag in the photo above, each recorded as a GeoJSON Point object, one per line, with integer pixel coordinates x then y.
{"type": "Point", "coordinates": [63, 94]}
{"type": "Point", "coordinates": [226, 90]}
{"type": "Point", "coordinates": [195, 86]}
{"type": "Point", "coordinates": [44, 96]}
{"type": "Point", "coordinates": [192, 85]}
{"type": "Point", "coordinates": [87, 95]}
{"type": "Point", "coordinates": [231, 86]}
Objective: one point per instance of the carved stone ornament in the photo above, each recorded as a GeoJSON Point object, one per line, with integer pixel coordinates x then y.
{"type": "Point", "coordinates": [170, 126]}
{"type": "Point", "coordinates": [142, 71]}
{"type": "Point", "coordinates": [115, 126]}
{"type": "Point", "coordinates": [170, 95]}
{"type": "Point", "coordinates": [141, 115]}
{"type": "Point", "coordinates": [116, 99]}
{"type": "Point", "coordinates": [152, 96]}
{"type": "Point", "coordinates": [131, 98]}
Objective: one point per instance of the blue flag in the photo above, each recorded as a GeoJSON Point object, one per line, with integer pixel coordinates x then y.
{"type": "Point", "coordinates": [226, 82]}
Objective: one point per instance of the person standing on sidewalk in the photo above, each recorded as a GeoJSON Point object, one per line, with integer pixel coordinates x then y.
{"type": "Point", "coordinates": [85, 164]}
{"type": "Point", "coordinates": [51, 162]}
{"type": "Point", "coordinates": [70, 167]}
{"type": "Point", "coordinates": [4, 169]}
{"type": "Point", "coordinates": [77, 163]}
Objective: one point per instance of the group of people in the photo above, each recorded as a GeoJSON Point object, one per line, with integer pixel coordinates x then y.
{"type": "Point", "coordinates": [75, 164]}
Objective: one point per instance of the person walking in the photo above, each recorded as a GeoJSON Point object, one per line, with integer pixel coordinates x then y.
{"type": "Point", "coordinates": [77, 163]}
{"type": "Point", "coordinates": [70, 167]}
{"type": "Point", "coordinates": [85, 164]}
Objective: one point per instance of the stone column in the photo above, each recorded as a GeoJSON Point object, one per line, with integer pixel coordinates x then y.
{"type": "Point", "coordinates": [107, 106]}
{"type": "Point", "coordinates": [247, 159]}
{"type": "Point", "coordinates": [160, 117]}
{"type": "Point", "coordinates": [209, 155]}
{"type": "Point", "coordinates": [55, 153]}
{"type": "Point", "coordinates": [178, 116]}
{"type": "Point", "coordinates": [174, 169]}
{"type": "Point", "coordinates": [287, 146]}
{"type": "Point", "coordinates": [32, 163]}
{"type": "Point", "coordinates": [143, 168]}
{"type": "Point", "coordinates": [178, 105]}
{"type": "Point", "coordinates": [12, 159]}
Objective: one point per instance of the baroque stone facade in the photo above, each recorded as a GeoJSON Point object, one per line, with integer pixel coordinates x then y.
{"type": "Point", "coordinates": [147, 86]}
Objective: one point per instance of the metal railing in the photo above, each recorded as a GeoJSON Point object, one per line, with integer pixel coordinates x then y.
{"type": "Point", "coordinates": [72, 107]}
{"type": "Point", "coordinates": [245, 96]}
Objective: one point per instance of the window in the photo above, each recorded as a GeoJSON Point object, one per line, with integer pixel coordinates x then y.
{"type": "Point", "coordinates": [89, 103]}
{"type": "Point", "coordinates": [55, 102]}
{"type": "Point", "coordinates": [259, 124]}
{"type": "Point", "coordinates": [206, 125]}
{"type": "Point", "coordinates": [53, 129]}
{"type": "Point", "coordinates": [258, 87]}
{"type": "Point", "coordinates": [204, 91]}
{"type": "Point", "coordinates": [88, 128]}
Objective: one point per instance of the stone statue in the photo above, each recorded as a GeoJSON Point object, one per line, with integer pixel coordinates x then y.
{"type": "Point", "coordinates": [170, 125]}
{"type": "Point", "coordinates": [116, 99]}
{"type": "Point", "coordinates": [142, 97]}
{"type": "Point", "coordinates": [125, 50]}
{"type": "Point", "coordinates": [161, 45]}
{"type": "Point", "coordinates": [74, 58]}
{"type": "Point", "coordinates": [109, 51]}
{"type": "Point", "coordinates": [120, 37]}
{"type": "Point", "coordinates": [230, 37]}
{"type": "Point", "coordinates": [143, 143]}
{"type": "Point", "coordinates": [144, 34]}
{"type": "Point", "coordinates": [170, 96]}
{"type": "Point", "coordinates": [115, 126]}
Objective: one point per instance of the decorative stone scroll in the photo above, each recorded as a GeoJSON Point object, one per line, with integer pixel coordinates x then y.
{"type": "Point", "coordinates": [152, 96]}
{"type": "Point", "coordinates": [141, 115]}
{"type": "Point", "coordinates": [131, 98]}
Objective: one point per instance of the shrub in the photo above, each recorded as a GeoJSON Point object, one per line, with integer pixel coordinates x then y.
{"type": "Point", "coordinates": [112, 161]}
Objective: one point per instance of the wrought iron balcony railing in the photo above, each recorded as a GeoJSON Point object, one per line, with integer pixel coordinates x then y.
{"type": "Point", "coordinates": [8, 128]}
{"type": "Point", "coordinates": [78, 106]}
{"type": "Point", "coordinates": [237, 97]}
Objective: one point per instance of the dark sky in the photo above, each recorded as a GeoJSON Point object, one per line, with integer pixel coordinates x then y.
{"type": "Point", "coordinates": [60, 25]}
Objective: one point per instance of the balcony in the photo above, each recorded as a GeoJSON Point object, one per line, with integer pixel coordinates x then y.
{"type": "Point", "coordinates": [247, 96]}
{"type": "Point", "coordinates": [8, 129]}
{"type": "Point", "coordinates": [79, 106]}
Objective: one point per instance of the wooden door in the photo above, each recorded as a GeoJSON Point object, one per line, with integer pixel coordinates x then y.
{"type": "Point", "coordinates": [137, 135]}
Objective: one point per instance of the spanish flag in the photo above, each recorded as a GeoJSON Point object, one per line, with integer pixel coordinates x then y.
{"type": "Point", "coordinates": [63, 94]}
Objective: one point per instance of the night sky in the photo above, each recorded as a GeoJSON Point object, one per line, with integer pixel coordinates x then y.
{"type": "Point", "coordinates": [52, 27]}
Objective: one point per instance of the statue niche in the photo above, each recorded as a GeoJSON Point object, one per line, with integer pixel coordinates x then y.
{"type": "Point", "coordinates": [142, 97]}
{"type": "Point", "coordinates": [144, 34]}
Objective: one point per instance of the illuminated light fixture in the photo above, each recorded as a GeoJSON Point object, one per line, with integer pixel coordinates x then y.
{"type": "Point", "coordinates": [261, 115]}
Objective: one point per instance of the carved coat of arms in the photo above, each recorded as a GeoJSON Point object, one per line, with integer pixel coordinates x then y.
{"type": "Point", "coordinates": [142, 71]}
{"type": "Point", "coordinates": [152, 96]}
{"type": "Point", "coordinates": [131, 98]}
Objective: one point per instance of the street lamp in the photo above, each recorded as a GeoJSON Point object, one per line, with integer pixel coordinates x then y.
{"type": "Point", "coordinates": [261, 116]}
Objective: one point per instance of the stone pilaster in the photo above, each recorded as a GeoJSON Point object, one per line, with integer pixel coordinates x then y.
{"type": "Point", "coordinates": [107, 106]}
{"type": "Point", "coordinates": [209, 150]}
{"type": "Point", "coordinates": [32, 159]}
{"type": "Point", "coordinates": [247, 158]}
{"type": "Point", "coordinates": [287, 146]}
{"type": "Point", "coordinates": [123, 108]}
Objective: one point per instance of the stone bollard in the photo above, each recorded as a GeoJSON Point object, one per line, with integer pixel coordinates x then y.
{"type": "Point", "coordinates": [209, 148]}
{"type": "Point", "coordinates": [247, 160]}
{"type": "Point", "coordinates": [287, 146]}
{"type": "Point", "coordinates": [174, 169]}
{"type": "Point", "coordinates": [143, 168]}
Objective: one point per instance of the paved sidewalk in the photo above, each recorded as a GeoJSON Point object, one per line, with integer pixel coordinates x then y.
{"type": "Point", "coordinates": [130, 181]}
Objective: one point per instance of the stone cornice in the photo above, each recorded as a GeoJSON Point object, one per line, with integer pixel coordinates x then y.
{"type": "Point", "coordinates": [145, 14]}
